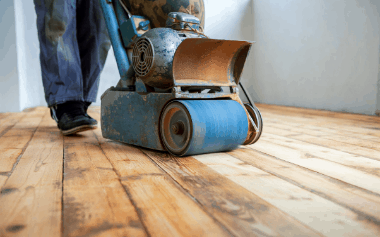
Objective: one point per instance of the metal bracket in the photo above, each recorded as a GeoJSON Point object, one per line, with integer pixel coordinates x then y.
{"type": "Point", "coordinates": [234, 89]}
{"type": "Point", "coordinates": [250, 101]}
{"type": "Point", "coordinates": [176, 90]}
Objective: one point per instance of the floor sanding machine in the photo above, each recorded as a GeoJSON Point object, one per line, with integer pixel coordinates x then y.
{"type": "Point", "coordinates": [179, 89]}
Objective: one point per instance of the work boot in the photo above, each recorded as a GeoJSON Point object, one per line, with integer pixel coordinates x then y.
{"type": "Point", "coordinates": [85, 107]}
{"type": "Point", "coordinates": [71, 118]}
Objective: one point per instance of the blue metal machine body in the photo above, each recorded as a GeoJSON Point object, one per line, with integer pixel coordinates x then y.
{"type": "Point", "coordinates": [133, 117]}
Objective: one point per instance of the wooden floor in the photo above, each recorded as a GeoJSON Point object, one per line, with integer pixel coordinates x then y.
{"type": "Point", "coordinates": [312, 173]}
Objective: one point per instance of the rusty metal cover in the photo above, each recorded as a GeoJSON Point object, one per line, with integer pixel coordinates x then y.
{"type": "Point", "coordinates": [205, 62]}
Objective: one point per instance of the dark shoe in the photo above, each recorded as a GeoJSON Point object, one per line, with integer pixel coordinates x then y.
{"type": "Point", "coordinates": [69, 124]}
{"type": "Point", "coordinates": [72, 118]}
{"type": "Point", "coordinates": [85, 107]}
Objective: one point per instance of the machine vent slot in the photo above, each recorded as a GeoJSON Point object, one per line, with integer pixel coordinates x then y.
{"type": "Point", "coordinates": [143, 56]}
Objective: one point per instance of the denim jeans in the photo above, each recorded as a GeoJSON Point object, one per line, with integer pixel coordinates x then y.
{"type": "Point", "coordinates": [74, 44]}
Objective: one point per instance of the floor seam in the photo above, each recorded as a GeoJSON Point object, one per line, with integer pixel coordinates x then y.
{"type": "Point", "coordinates": [125, 188]}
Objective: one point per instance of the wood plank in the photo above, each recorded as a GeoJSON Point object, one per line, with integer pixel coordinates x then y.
{"type": "Point", "coordinates": [365, 204]}
{"type": "Point", "coordinates": [326, 141]}
{"type": "Point", "coordinates": [4, 115]}
{"type": "Point", "coordinates": [21, 133]}
{"type": "Point", "coordinates": [164, 207]}
{"type": "Point", "coordinates": [30, 201]}
{"type": "Point", "coordinates": [8, 159]}
{"type": "Point", "coordinates": [315, 151]}
{"type": "Point", "coordinates": [324, 113]}
{"type": "Point", "coordinates": [9, 121]}
{"type": "Point", "coordinates": [357, 126]}
{"type": "Point", "coordinates": [305, 159]}
{"type": "Point", "coordinates": [241, 211]}
{"type": "Point", "coordinates": [320, 118]}
{"type": "Point", "coordinates": [15, 138]}
{"type": "Point", "coordinates": [95, 202]}
{"type": "Point", "coordinates": [322, 215]}
{"type": "Point", "coordinates": [318, 130]}
{"type": "Point", "coordinates": [325, 122]}
{"type": "Point", "coordinates": [354, 139]}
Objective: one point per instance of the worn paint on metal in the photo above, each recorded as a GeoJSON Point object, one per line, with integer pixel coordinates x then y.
{"type": "Point", "coordinates": [133, 117]}
{"type": "Point", "coordinates": [182, 21]}
{"type": "Point", "coordinates": [157, 11]}
{"type": "Point", "coordinates": [130, 29]}
{"type": "Point", "coordinates": [155, 56]}
{"type": "Point", "coordinates": [113, 32]}
{"type": "Point", "coordinates": [163, 59]}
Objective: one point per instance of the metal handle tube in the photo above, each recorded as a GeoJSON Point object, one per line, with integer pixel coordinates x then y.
{"type": "Point", "coordinates": [113, 32]}
{"type": "Point", "coordinates": [120, 13]}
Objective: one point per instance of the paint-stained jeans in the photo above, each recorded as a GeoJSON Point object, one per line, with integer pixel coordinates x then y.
{"type": "Point", "coordinates": [74, 44]}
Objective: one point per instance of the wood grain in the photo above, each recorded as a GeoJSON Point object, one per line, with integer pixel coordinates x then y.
{"type": "Point", "coordinates": [324, 165]}
{"type": "Point", "coordinates": [350, 127]}
{"type": "Point", "coordinates": [365, 204]}
{"type": "Point", "coordinates": [8, 159]}
{"type": "Point", "coordinates": [30, 201]}
{"type": "Point", "coordinates": [320, 214]}
{"type": "Point", "coordinates": [326, 141]}
{"type": "Point", "coordinates": [20, 134]}
{"type": "Point", "coordinates": [312, 173]}
{"type": "Point", "coordinates": [318, 130]}
{"type": "Point", "coordinates": [340, 140]}
{"type": "Point", "coordinates": [315, 151]}
{"type": "Point", "coordinates": [241, 211]}
{"type": "Point", "coordinates": [8, 121]}
{"type": "Point", "coordinates": [165, 208]}
{"type": "Point", "coordinates": [338, 116]}
{"type": "Point", "coordinates": [95, 203]}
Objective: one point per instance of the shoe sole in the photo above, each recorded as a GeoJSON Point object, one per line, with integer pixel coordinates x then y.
{"type": "Point", "coordinates": [79, 129]}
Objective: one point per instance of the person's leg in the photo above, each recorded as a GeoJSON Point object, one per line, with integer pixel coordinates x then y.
{"type": "Point", "coordinates": [61, 64]}
{"type": "Point", "coordinates": [94, 45]}
{"type": "Point", "coordinates": [59, 52]}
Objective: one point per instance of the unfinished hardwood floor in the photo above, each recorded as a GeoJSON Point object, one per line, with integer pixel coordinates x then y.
{"type": "Point", "coordinates": [312, 173]}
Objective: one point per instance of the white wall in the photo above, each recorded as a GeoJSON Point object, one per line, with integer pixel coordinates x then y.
{"type": "Point", "coordinates": [319, 54]}
{"type": "Point", "coordinates": [9, 86]}
{"type": "Point", "coordinates": [376, 5]}
{"type": "Point", "coordinates": [28, 49]}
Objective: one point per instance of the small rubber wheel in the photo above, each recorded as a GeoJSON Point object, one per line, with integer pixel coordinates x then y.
{"type": "Point", "coordinates": [176, 128]}
{"type": "Point", "coordinates": [257, 120]}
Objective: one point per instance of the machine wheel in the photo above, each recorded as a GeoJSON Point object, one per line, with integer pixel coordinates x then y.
{"type": "Point", "coordinates": [258, 120]}
{"type": "Point", "coordinates": [190, 127]}
{"type": "Point", "coordinates": [176, 128]}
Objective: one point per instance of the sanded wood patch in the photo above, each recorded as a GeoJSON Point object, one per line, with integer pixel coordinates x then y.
{"type": "Point", "coordinates": [364, 203]}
